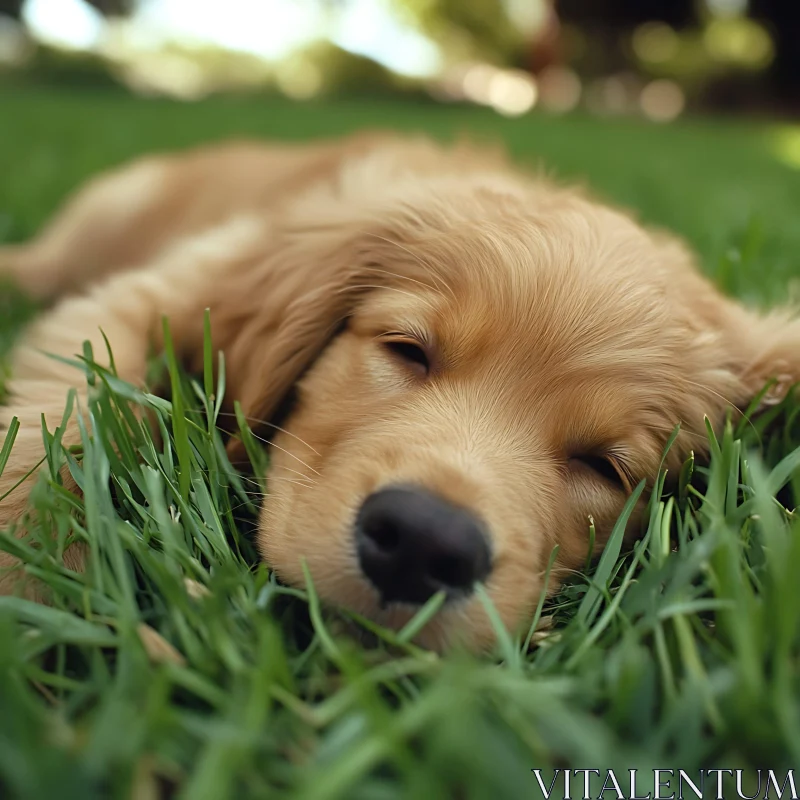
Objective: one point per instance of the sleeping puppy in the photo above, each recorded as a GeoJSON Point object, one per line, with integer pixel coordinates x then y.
{"type": "Point", "coordinates": [479, 359]}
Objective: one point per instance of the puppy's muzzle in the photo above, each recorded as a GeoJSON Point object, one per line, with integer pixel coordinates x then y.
{"type": "Point", "coordinates": [412, 544]}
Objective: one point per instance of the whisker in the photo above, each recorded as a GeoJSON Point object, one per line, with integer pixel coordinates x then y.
{"type": "Point", "coordinates": [297, 481]}
{"type": "Point", "coordinates": [294, 481]}
{"type": "Point", "coordinates": [260, 495]}
{"type": "Point", "coordinates": [708, 389]}
{"type": "Point", "coordinates": [684, 430]}
{"type": "Point", "coordinates": [257, 421]}
{"type": "Point", "coordinates": [297, 472]}
{"type": "Point", "coordinates": [238, 506]}
{"type": "Point", "coordinates": [245, 479]}
{"type": "Point", "coordinates": [277, 428]}
{"type": "Point", "coordinates": [292, 455]}
{"type": "Point", "coordinates": [726, 400]}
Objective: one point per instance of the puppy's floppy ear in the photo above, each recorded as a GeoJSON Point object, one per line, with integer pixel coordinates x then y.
{"type": "Point", "coordinates": [772, 354]}
{"type": "Point", "coordinates": [289, 306]}
{"type": "Point", "coordinates": [733, 351]}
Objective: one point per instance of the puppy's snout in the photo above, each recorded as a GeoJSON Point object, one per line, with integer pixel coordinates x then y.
{"type": "Point", "coordinates": [412, 543]}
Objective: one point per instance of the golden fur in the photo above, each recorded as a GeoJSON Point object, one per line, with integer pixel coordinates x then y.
{"type": "Point", "coordinates": [556, 329]}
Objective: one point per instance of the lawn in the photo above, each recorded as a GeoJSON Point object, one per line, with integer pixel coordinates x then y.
{"type": "Point", "coordinates": [177, 666]}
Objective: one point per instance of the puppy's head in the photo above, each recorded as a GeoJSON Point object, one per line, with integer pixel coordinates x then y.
{"type": "Point", "coordinates": [481, 364]}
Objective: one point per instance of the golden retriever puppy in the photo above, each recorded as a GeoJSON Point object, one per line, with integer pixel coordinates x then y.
{"type": "Point", "coordinates": [479, 360]}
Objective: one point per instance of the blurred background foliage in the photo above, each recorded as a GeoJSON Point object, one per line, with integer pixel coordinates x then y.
{"type": "Point", "coordinates": [656, 58]}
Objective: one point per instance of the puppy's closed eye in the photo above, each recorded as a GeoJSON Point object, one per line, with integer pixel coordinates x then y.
{"type": "Point", "coordinates": [606, 468]}
{"type": "Point", "coordinates": [409, 351]}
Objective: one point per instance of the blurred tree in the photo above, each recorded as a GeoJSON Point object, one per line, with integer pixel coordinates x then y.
{"type": "Point", "coordinates": [606, 24]}
{"type": "Point", "coordinates": [627, 13]}
{"type": "Point", "coordinates": [113, 8]}
{"type": "Point", "coordinates": [483, 27]}
{"type": "Point", "coordinates": [782, 17]}
{"type": "Point", "coordinates": [108, 8]}
{"type": "Point", "coordinates": [11, 8]}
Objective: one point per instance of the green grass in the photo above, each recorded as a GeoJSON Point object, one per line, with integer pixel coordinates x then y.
{"type": "Point", "coordinates": [683, 653]}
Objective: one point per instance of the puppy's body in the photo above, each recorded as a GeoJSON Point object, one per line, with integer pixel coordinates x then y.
{"type": "Point", "coordinates": [519, 351]}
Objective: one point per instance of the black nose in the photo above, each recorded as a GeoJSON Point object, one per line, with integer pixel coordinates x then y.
{"type": "Point", "coordinates": [411, 544]}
